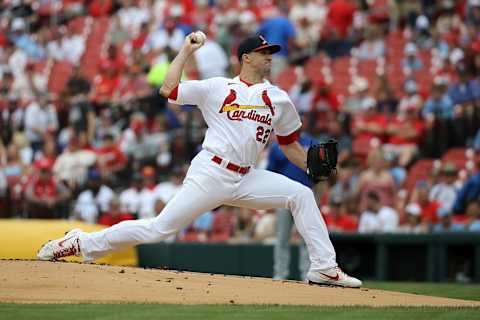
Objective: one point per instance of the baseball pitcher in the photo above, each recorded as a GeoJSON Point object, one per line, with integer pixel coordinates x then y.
{"type": "Point", "coordinates": [241, 114]}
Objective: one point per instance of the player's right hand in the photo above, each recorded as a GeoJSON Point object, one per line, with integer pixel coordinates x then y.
{"type": "Point", "coordinates": [194, 41]}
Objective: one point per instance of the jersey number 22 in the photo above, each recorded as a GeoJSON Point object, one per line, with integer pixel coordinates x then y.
{"type": "Point", "coordinates": [262, 134]}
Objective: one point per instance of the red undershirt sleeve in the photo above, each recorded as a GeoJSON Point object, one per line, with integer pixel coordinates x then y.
{"type": "Point", "coordinates": [174, 94]}
{"type": "Point", "coordinates": [283, 140]}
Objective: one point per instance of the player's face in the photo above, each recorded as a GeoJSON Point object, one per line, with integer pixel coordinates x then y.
{"type": "Point", "coordinates": [261, 61]}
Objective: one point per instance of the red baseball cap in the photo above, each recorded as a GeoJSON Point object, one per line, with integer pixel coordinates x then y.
{"type": "Point", "coordinates": [44, 164]}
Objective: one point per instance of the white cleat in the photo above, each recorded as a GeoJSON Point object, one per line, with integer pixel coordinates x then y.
{"type": "Point", "coordinates": [68, 245]}
{"type": "Point", "coordinates": [333, 277]}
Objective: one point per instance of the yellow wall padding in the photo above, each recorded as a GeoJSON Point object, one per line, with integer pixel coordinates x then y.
{"type": "Point", "coordinates": [20, 239]}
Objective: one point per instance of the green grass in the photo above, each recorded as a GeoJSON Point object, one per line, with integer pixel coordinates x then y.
{"type": "Point", "coordinates": [448, 290]}
{"type": "Point", "coordinates": [176, 312]}
{"type": "Point", "coordinates": [229, 312]}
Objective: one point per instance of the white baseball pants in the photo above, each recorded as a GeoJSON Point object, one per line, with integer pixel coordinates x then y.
{"type": "Point", "coordinates": [208, 185]}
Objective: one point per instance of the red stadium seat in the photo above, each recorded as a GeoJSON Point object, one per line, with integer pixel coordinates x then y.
{"type": "Point", "coordinates": [367, 68]}
{"type": "Point", "coordinates": [341, 66]}
{"type": "Point", "coordinates": [458, 156]}
{"type": "Point", "coordinates": [287, 78]}
{"type": "Point", "coordinates": [395, 39]}
{"type": "Point", "coordinates": [341, 83]}
{"type": "Point", "coordinates": [313, 67]}
{"type": "Point", "coordinates": [59, 76]}
{"type": "Point", "coordinates": [419, 171]}
{"type": "Point", "coordinates": [93, 47]}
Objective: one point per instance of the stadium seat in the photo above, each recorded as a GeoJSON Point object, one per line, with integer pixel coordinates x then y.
{"type": "Point", "coordinates": [93, 47]}
{"type": "Point", "coordinates": [341, 66]}
{"type": "Point", "coordinates": [313, 67]}
{"type": "Point", "coordinates": [419, 171]}
{"type": "Point", "coordinates": [287, 78]}
{"type": "Point", "coordinates": [59, 75]}
{"type": "Point", "coordinates": [458, 156]}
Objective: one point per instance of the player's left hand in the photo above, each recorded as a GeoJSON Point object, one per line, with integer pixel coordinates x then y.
{"type": "Point", "coordinates": [322, 160]}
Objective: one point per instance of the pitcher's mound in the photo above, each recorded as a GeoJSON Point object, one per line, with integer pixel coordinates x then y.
{"type": "Point", "coordinates": [61, 282]}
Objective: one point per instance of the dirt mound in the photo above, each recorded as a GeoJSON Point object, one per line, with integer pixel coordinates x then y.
{"type": "Point", "coordinates": [62, 282]}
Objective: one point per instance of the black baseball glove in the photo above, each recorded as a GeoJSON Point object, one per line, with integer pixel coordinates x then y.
{"type": "Point", "coordinates": [322, 160]}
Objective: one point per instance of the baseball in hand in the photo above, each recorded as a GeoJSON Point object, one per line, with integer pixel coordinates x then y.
{"type": "Point", "coordinates": [199, 37]}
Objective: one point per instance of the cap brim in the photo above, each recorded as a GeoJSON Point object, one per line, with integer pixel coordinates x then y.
{"type": "Point", "coordinates": [272, 48]}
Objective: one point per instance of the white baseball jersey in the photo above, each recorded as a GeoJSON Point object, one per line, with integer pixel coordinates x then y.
{"type": "Point", "coordinates": [240, 117]}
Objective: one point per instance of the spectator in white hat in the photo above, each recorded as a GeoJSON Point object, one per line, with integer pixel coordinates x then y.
{"type": "Point", "coordinates": [359, 93]}
{"type": "Point", "coordinates": [422, 34]}
{"type": "Point", "coordinates": [445, 191]}
{"type": "Point", "coordinates": [413, 220]}
{"type": "Point", "coordinates": [411, 62]}
{"type": "Point", "coordinates": [411, 96]}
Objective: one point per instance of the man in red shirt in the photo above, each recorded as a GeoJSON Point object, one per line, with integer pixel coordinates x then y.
{"type": "Point", "coordinates": [44, 194]}
{"type": "Point", "coordinates": [110, 159]}
{"type": "Point", "coordinates": [404, 135]}
{"type": "Point", "coordinates": [340, 16]}
{"type": "Point", "coordinates": [429, 209]}
{"type": "Point", "coordinates": [370, 124]}
{"type": "Point", "coordinates": [334, 38]}
{"type": "Point", "coordinates": [106, 84]}
{"type": "Point", "coordinates": [114, 214]}
{"type": "Point", "coordinates": [100, 8]}
{"type": "Point", "coordinates": [324, 108]}
{"type": "Point", "coordinates": [133, 85]}
{"type": "Point", "coordinates": [337, 219]}
{"type": "Point", "coordinates": [114, 59]}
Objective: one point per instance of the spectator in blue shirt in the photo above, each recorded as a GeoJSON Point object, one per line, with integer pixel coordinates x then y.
{"type": "Point", "coordinates": [444, 123]}
{"type": "Point", "coordinates": [475, 87]}
{"type": "Point", "coordinates": [462, 92]}
{"type": "Point", "coordinates": [474, 226]}
{"type": "Point", "coordinates": [470, 192]}
{"type": "Point", "coordinates": [439, 105]}
{"type": "Point", "coordinates": [204, 223]}
{"type": "Point", "coordinates": [23, 41]}
{"type": "Point", "coordinates": [411, 60]}
{"type": "Point", "coordinates": [280, 30]}
{"type": "Point", "coordinates": [476, 141]}
{"type": "Point", "coordinates": [277, 162]}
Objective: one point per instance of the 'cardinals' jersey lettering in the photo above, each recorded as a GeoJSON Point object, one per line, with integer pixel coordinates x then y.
{"type": "Point", "coordinates": [240, 118]}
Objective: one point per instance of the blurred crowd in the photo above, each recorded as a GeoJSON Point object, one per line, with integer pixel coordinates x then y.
{"type": "Point", "coordinates": [85, 135]}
